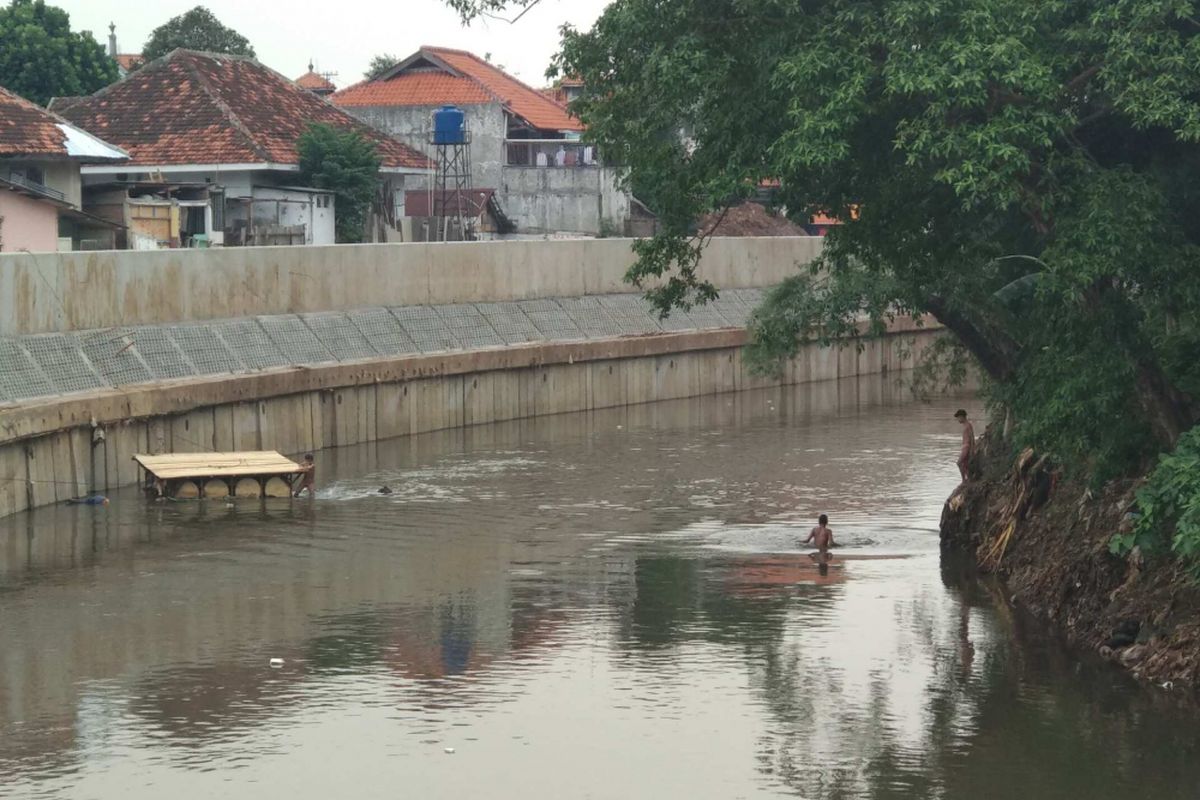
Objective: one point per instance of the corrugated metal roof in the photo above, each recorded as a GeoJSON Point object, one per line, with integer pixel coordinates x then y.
{"type": "Point", "coordinates": [27, 129]}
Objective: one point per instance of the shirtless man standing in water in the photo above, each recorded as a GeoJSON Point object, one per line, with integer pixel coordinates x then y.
{"type": "Point", "coordinates": [822, 537]}
{"type": "Point", "coordinates": [968, 444]}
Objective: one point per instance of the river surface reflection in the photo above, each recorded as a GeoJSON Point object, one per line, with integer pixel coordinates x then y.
{"type": "Point", "coordinates": [608, 605]}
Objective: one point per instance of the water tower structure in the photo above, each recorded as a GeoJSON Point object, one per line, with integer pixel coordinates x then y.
{"type": "Point", "coordinates": [451, 201]}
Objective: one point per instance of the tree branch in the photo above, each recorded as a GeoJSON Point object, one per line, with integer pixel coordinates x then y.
{"type": "Point", "coordinates": [1082, 78]}
{"type": "Point", "coordinates": [994, 349]}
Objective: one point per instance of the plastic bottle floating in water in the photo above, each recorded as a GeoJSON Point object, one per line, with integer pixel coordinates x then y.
{"type": "Point", "coordinates": [93, 500]}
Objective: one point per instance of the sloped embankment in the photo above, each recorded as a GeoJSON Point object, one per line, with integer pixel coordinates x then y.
{"type": "Point", "coordinates": [1048, 539]}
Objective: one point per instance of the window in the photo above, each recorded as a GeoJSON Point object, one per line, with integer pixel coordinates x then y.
{"type": "Point", "coordinates": [216, 199]}
{"type": "Point", "coordinates": [35, 175]}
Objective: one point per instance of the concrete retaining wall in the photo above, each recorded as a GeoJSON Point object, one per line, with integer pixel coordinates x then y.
{"type": "Point", "coordinates": [45, 293]}
{"type": "Point", "coordinates": [68, 446]}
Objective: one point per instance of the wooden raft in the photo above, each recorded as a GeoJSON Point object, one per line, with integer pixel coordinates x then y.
{"type": "Point", "coordinates": [245, 474]}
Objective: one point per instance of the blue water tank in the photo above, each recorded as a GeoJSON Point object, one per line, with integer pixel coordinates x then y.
{"type": "Point", "coordinates": [449, 126]}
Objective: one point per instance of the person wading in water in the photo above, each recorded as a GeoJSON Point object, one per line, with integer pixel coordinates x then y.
{"type": "Point", "coordinates": [307, 476]}
{"type": "Point", "coordinates": [822, 537]}
{"type": "Point", "coordinates": [968, 444]}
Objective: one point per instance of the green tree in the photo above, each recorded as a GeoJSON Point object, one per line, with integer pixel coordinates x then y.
{"type": "Point", "coordinates": [1025, 171]}
{"type": "Point", "coordinates": [379, 65]}
{"type": "Point", "coordinates": [41, 57]}
{"type": "Point", "coordinates": [347, 163]}
{"type": "Point", "coordinates": [198, 29]}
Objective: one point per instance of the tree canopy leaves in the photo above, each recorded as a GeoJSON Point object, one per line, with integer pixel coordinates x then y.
{"type": "Point", "coordinates": [41, 57]}
{"type": "Point", "coordinates": [1026, 171]}
{"type": "Point", "coordinates": [346, 162]}
{"type": "Point", "coordinates": [198, 29]}
{"type": "Point", "coordinates": [379, 65]}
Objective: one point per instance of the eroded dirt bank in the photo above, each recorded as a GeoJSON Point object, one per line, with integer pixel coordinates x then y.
{"type": "Point", "coordinates": [1048, 539]}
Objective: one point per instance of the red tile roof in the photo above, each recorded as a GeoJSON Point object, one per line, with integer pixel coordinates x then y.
{"type": "Point", "coordinates": [314, 82]}
{"type": "Point", "coordinates": [205, 108]}
{"type": "Point", "coordinates": [129, 61]}
{"type": "Point", "coordinates": [465, 79]}
{"type": "Point", "coordinates": [27, 129]}
{"type": "Point", "coordinates": [416, 88]}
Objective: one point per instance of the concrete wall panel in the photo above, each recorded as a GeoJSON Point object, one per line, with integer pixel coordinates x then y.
{"type": "Point", "coordinates": [81, 291]}
{"type": "Point", "coordinates": [193, 432]}
{"type": "Point", "coordinates": [427, 405]}
{"type": "Point", "coordinates": [345, 417]}
{"type": "Point", "coordinates": [506, 395]}
{"type": "Point", "coordinates": [79, 441]}
{"type": "Point", "coordinates": [367, 414]}
{"type": "Point", "coordinates": [13, 493]}
{"type": "Point", "coordinates": [245, 427]}
{"type": "Point", "coordinates": [608, 388]}
{"type": "Point", "coordinates": [617, 377]}
{"type": "Point", "coordinates": [223, 429]}
{"type": "Point", "coordinates": [479, 398]}
{"type": "Point", "coordinates": [394, 417]}
{"type": "Point", "coordinates": [44, 483]}
{"type": "Point", "coordinates": [121, 443]}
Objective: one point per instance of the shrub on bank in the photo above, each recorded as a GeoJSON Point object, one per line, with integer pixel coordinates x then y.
{"type": "Point", "coordinates": [1169, 506]}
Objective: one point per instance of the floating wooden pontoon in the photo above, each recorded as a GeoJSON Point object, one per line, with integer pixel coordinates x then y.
{"type": "Point", "coordinates": [214, 475]}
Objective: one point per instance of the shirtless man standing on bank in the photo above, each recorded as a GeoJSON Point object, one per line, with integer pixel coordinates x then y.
{"type": "Point", "coordinates": [968, 444]}
{"type": "Point", "coordinates": [822, 537]}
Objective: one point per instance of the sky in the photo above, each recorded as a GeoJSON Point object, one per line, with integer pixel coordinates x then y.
{"type": "Point", "coordinates": [341, 36]}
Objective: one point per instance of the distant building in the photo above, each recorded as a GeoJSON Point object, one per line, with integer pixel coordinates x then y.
{"type": "Point", "coordinates": [214, 137]}
{"type": "Point", "coordinates": [315, 82]}
{"type": "Point", "coordinates": [126, 62]}
{"type": "Point", "coordinates": [564, 91]}
{"type": "Point", "coordinates": [41, 191]}
{"type": "Point", "coordinates": [524, 145]}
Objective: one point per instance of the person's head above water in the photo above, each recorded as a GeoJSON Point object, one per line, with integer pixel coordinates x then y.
{"type": "Point", "coordinates": [308, 457]}
{"type": "Point", "coordinates": [961, 415]}
{"type": "Point", "coordinates": [823, 519]}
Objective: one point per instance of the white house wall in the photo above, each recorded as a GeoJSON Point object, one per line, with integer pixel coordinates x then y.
{"type": "Point", "coordinates": [298, 208]}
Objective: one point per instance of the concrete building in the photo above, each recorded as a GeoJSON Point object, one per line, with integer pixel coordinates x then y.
{"type": "Point", "coordinates": [547, 177]}
{"type": "Point", "coordinates": [230, 125]}
{"type": "Point", "coordinates": [41, 208]}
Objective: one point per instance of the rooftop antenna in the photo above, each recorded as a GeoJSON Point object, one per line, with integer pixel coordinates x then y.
{"type": "Point", "coordinates": [329, 76]}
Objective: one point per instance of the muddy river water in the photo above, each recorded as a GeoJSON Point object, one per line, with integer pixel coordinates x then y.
{"type": "Point", "coordinates": [605, 605]}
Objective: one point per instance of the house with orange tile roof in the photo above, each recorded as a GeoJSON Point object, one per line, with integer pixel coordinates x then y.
{"type": "Point", "coordinates": [229, 125]}
{"type": "Point", "coordinates": [524, 145]}
{"type": "Point", "coordinates": [41, 190]}
{"type": "Point", "coordinates": [315, 82]}
{"type": "Point", "coordinates": [565, 90]}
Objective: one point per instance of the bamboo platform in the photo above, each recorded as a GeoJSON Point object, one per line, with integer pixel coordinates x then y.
{"type": "Point", "coordinates": [216, 475]}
